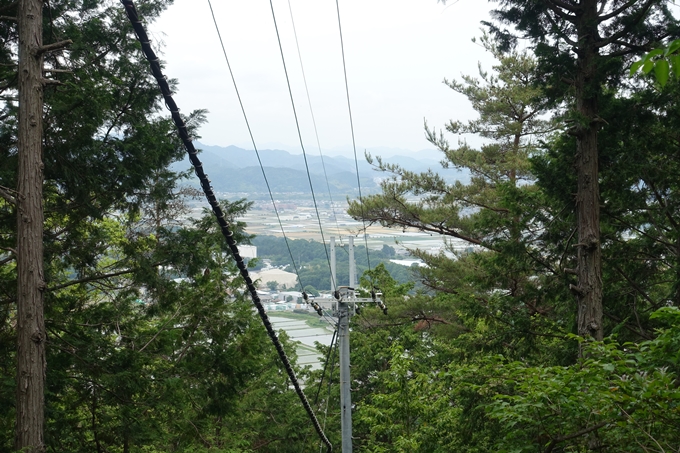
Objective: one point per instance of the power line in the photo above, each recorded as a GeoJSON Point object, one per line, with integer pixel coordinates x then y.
{"type": "Point", "coordinates": [325, 366]}
{"type": "Point", "coordinates": [302, 146]}
{"type": "Point", "coordinates": [330, 379]}
{"type": "Point", "coordinates": [252, 139]}
{"type": "Point", "coordinates": [329, 359]}
{"type": "Point", "coordinates": [351, 125]}
{"type": "Point", "coordinates": [154, 62]}
{"type": "Point", "coordinates": [311, 111]}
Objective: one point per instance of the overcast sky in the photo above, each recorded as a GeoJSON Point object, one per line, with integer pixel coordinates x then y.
{"type": "Point", "coordinates": [397, 52]}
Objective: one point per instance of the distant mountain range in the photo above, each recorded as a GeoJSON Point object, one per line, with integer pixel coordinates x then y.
{"type": "Point", "coordinates": [233, 169]}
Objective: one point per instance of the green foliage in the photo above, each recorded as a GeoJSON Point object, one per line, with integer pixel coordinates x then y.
{"type": "Point", "coordinates": [379, 278]}
{"type": "Point", "coordinates": [309, 289]}
{"type": "Point", "coordinates": [312, 263]}
{"type": "Point", "coordinates": [150, 344]}
{"type": "Point", "coordinates": [621, 397]}
{"type": "Point", "coordinates": [488, 361]}
{"type": "Point", "coordinates": [273, 286]}
{"type": "Point", "coordinates": [493, 209]}
{"type": "Point", "coordinates": [494, 266]}
{"type": "Point", "coordinates": [665, 62]}
{"type": "Point", "coordinates": [152, 347]}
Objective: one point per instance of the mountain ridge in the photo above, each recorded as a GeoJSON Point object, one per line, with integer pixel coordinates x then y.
{"type": "Point", "coordinates": [234, 169]}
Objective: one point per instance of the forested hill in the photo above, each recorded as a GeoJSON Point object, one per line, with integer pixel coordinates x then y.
{"type": "Point", "coordinates": [125, 326]}
{"type": "Point", "coordinates": [234, 169]}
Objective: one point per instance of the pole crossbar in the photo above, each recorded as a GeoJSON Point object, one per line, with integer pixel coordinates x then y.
{"type": "Point", "coordinates": [154, 62]}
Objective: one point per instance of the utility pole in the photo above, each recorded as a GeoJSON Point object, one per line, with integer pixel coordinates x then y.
{"type": "Point", "coordinates": [345, 377]}
{"type": "Point", "coordinates": [343, 345]}
{"type": "Point", "coordinates": [334, 285]}
{"type": "Point", "coordinates": [352, 264]}
{"type": "Point", "coordinates": [345, 297]}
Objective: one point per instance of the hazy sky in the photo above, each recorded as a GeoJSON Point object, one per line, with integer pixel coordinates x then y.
{"type": "Point", "coordinates": [397, 54]}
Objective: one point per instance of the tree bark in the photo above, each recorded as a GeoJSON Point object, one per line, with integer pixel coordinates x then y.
{"type": "Point", "coordinates": [30, 397]}
{"type": "Point", "coordinates": [589, 291]}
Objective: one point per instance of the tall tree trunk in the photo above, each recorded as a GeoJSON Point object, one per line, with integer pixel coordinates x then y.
{"type": "Point", "coordinates": [589, 290]}
{"type": "Point", "coordinates": [30, 280]}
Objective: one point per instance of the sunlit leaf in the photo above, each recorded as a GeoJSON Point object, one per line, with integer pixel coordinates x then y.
{"type": "Point", "coordinates": [635, 67]}
{"type": "Point", "coordinates": [673, 47]}
{"type": "Point", "coordinates": [653, 53]}
{"type": "Point", "coordinates": [661, 70]}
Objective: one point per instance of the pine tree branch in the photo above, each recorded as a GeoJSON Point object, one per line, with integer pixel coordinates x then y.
{"type": "Point", "coordinates": [53, 47]}
{"type": "Point", "coordinates": [555, 6]}
{"type": "Point", "coordinates": [638, 230]}
{"type": "Point", "coordinates": [628, 327]}
{"type": "Point", "coordinates": [640, 15]}
{"type": "Point", "coordinates": [47, 82]}
{"type": "Point", "coordinates": [563, 5]}
{"type": "Point", "coordinates": [616, 12]}
{"type": "Point", "coordinates": [662, 203]}
{"type": "Point", "coordinates": [7, 196]}
{"type": "Point", "coordinates": [161, 329]}
{"type": "Point", "coordinates": [90, 279]}
{"type": "Point", "coordinates": [635, 286]}
{"type": "Point", "coordinates": [419, 224]}
{"type": "Point", "coordinates": [562, 34]}
{"type": "Point", "coordinates": [66, 71]}
{"type": "Point", "coordinates": [484, 206]}
{"type": "Point", "coordinates": [9, 18]}
{"type": "Point", "coordinates": [7, 259]}
{"type": "Point", "coordinates": [631, 48]}
{"type": "Point", "coordinates": [602, 7]}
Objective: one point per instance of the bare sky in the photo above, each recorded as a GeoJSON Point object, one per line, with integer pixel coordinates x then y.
{"type": "Point", "coordinates": [397, 54]}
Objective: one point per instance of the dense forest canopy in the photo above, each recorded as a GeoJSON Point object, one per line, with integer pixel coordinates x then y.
{"type": "Point", "coordinates": [559, 332]}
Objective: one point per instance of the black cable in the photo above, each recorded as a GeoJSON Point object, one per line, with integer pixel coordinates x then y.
{"type": "Point", "coordinates": [330, 348]}
{"type": "Point", "coordinates": [217, 210]}
{"type": "Point", "coordinates": [329, 359]}
{"type": "Point", "coordinates": [330, 380]}
{"type": "Point", "coordinates": [304, 154]}
{"type": "Point", "coordinates": [311, 111]}
{"type": "Point", "coordinates": [354, 145]}
{"type": "Point", "coordinates": [257, 153]}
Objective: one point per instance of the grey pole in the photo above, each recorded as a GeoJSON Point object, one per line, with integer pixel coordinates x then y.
{"type": "Point", "coordinates": [352, 264]}
{"type": "Point", "coordinates": [333, 277]}
{"type": "Point", "coordinates": [345, 380]}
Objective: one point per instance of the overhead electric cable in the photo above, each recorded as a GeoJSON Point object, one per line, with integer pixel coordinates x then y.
{"type": "Point", "coordinates": [257, 152]}
{"type": "Point", "coordinates": [311, 111]}
{"type": "Point", "coordinates": [329, 359]}
{"type": "Point", "coordinates": [302, 146]}
{"type": "Point", "coordinates": [330, 379]}
{"type": "Point", "coordinates": [351, 125]}
{"type": "Point", "coordinates": [154, 62]}
{"type": "Point", "coordinates": [325, 366]}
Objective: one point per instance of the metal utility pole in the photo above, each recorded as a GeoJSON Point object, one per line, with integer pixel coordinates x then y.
{"type": "Point", "coordinates": [345, 378]}
{"type": "Point", "coordinates": [352, 264]}
{"type": "Point", "coordinates": [334, 285]}
{"type": "Point", "coordinates": [345, 297]}
{"type": "Point", "coordinates": [343, 345]}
